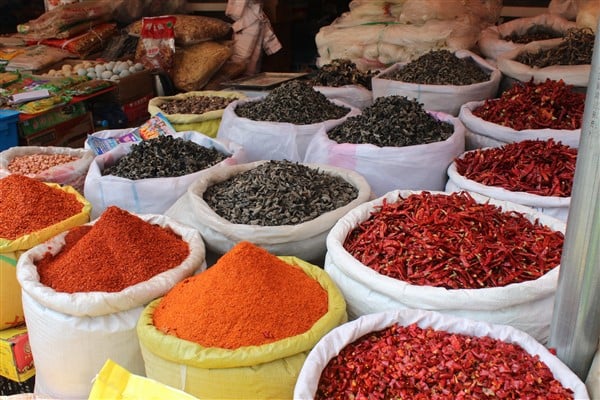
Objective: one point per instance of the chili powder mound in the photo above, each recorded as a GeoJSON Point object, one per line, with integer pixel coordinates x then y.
{"type": "Point", "coordinates": [118, 251]}
{"type": "Point", "coordinates": [28, 205]}
{"type": "Point", "coordinates": [249, 297]}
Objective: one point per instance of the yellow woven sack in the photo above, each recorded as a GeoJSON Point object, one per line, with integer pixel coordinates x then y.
{"type": "Point", "coordinates": [206, 123]}
{"type": "Point", "coordinates": [116, 383]}
{"type": "Point", "coordinates": [268, 371]}
{"type": "Point", "coordinates": [11, 309]}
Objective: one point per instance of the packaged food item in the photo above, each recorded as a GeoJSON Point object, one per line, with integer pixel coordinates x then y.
{"type": "Point", "coordinates": [86, 43]}
{"type": "Point", "coordinates": [37, 57]}
{"type": "Point", "coordinates": [191, 29]}
{"type": "Point", "coordinates": [196, 64]}
{"type": "Point", "coordinates": [156, 49]}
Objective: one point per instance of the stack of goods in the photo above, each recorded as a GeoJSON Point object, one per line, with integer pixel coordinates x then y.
{"type": "Point", "coordinates": [374, 34]}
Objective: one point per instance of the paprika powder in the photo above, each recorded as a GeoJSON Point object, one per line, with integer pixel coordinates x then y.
{"type": "Point", "coordinates": [27, 205]}
{"type": "Point", "coordinates": [249, 297]}
{"type": "Point", "coordinates": [118, 251]}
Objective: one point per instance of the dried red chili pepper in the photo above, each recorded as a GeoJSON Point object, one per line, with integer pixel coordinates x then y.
{"type": "Point", "coordinates": [414, 363]}
{"type": "Point", "coordinates": [545, 168]}
{"type": "Point", "coordinates": [528, 105]}
{"type": "Point", "coordinates": [450, 240]}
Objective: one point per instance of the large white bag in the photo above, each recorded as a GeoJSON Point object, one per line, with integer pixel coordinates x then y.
{"type": "Point", "coordinates": [151, 195]}
{"type": "Point", "coordinates": [356, 96]}
{"type": "Point", "coordinates": [305, 240]}
{"type": "Point", "coordinates": [73, 334]}
{"type": "Point", "coordinates": [332, 343]}
{"type": "Point", "coordinates": [554, 206]}
{"type": "Point", "coordinates": [593, 379]}
{"type": "Point", "coordinates": [481, 133]}
{"type": "Point", "coordinates": [527, 306]}
{"type": "Point", "coordinates": [444, 98]}
{"type": "Point", "coordinates": [264, 140]}
{"type": "Point", "coordinates": [416, 167]}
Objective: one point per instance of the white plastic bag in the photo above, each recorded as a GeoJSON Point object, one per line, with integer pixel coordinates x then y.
{"type": "Point", "coordinates": [305, 240]}
{"type": "Point", "coordinates": [332, 343]}
{"type": "Point", "coordinates": [444, 98]}
{"type": "Point", "coordinates": [500, 134]}
{"type": "Point", "coordinates": [557, 207]}
{"type": "Point", "coordinates": [527, 305]}
{"type": "Point", "coordinates": [72, 334]}
{"type": "Point", "coordinates": [416, 167]}
{"type": "Point", "coordinates": [356, 96]}
{"type": "Point", "coordinates": [265, 140]}
{"type": "Point", "coordinates": [152, 195]}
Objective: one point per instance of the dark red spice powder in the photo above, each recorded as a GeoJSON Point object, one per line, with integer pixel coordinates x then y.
{"type": "Point", "coordinates": [28, 205]}
{"type": "Point", "coordinates": [118, 251]}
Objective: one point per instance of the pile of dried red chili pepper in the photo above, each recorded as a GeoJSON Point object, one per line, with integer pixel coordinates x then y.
{"type": "Point", "coordinates": [541, 167]}
{"type": "Point", "coordinates": [528, 105]}
{"type": "Point", "coordinates": [449, 240]}
{"type": "Point", "coordinates": [414, 363]}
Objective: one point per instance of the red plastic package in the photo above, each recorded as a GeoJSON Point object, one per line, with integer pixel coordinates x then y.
{"type": "Point", "coordinates": [156, 48]}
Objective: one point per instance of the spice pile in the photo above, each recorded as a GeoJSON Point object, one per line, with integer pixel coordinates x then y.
{"type": "Point", "coordinates": [27, 205]}
{"type": "Point", "coordinates": [451, 241]}
{"type": "Point", "coordinates": [118, 251]}
{"type": "Point", "coordinates": [249, 297]}
{"type": "Point", "coordinates": [394, 121]}
{"type": "Point", "coordinates": [295, 102]}
{"type": "Point", "coordinates": [341, 72]}
{"type": "Point", "coordinates": [196, 104]}
{"type": "Point", "coordinates": [278, 193]}
{"type": "Point", "coordinates": [36, 163]}
{"type": "Point", "coordinates": [164, 156]}
{"type": "Point", "coordinates": [533, 34]}
{"type": "Point", "coordinates": [415, 363]}
{"type": "Point", "coordinates": [544, 168]}
{"type": "Point", "coordinates": [528, 105]}
{"type": "Point", "coordinates": [440, 67]}
{"type": "Point", "coordinates": [575, 49]}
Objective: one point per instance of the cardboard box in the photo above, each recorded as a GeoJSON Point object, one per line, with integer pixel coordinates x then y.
{"type": "Point", "coordinates": [53, 117]}
{"type": "Point", "coordinates": [72, 133]}
{"type": "Point", "coordinates": [16, 360]}
{"type": "Point", "coordinates": [137, 110]}
{"type": "Point", "coordinates": [135, 86]}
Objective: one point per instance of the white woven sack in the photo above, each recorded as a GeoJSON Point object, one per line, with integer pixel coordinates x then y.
{"type": "Point", "coordinates": [73, 334]}
{"type": "Point", "coordinates": [491, 42]}
{"type": "Point", "coordinates": [332, 343]}
{"type": "Point", "coordinates": [264, 140]}
{"type": "Point", "coordinates": [593, 379]}
{"type": "Point", "coordinates": [504, 134]}
{"type": "Point", "coordinates": [527, 306]}
{"type": "Point", "coordinates": [71, 173]}
{"type": "Point", "coordinates": [151, 195]}
{"type": "Point", "coordinates": [576, 75]}
{"type": "Point", "coordinates": [356, 96]}
{"type": "Point", "coordinates": [418, 167]}
{"type": "Point", "coordinates": [444, 98]}
{"type": "Point", "coordinates": [557, 207]}
{"type": "Point", "coordinates": [305, 240]}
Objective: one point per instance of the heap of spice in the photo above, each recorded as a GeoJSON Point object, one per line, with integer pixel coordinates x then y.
{"type": "Point", "coordinates": [534, 33]}
{"type": "Point", "coordinates": [409, 362]}
{"type": "Point", "coordinates": [440, 67]}
{"type": "Point", "coordinates": [451, 241]}
{"type": "Point", "coordinates": [527, 105]}
{"type": "Point", "coordinates": [164, 156]}
{"type": "Point", "coordinates": [394, 121]}
{"type": "Point", "coordinates": [36, 163]}
{"type": "Point", "coordinates": [118, 251]}
{"type": "Point", "coordinates": [196, 104]}
{"type": "Point", "coordinates": [341, 72]}
{"type": "Point", "coordinates": [540, 167]}
{"type": "Point", "coordinates": [27, 205]}
{"type": "Point", "coordinates": [575, 49]}
{"type": "Point", "coordinates": [278, 193]}
{"type": "Point", "coordinates": [249, 297]}
{"type": "Point", "coordinates": [295, 102]}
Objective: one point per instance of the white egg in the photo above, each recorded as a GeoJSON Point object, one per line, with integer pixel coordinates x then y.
{"type": "Point", "coordinates": [91, 69]}
{"type": "Point", "coordinates": [66, 67]}
{"type": "Point", "coordinates": [139, 66]}
{"type": "Point", "coordinates": [91, 75]}
{"type": "Point", "coordinates": [82, 72]}
{"type": "Point", "coordinates": [124, 73]}
{"type": "Point", "coordinates": [106, 74]}
{"type": "Point", "coordinates": [110, 65]}
{"type": "Point", "coordinates": [114, 78]}
{"type": "Point", "coordinates": [132, 69]}
{"type": "Point", "coordinates": [87, 64]}
{"type": "Point", "coordinates": [99, 69]}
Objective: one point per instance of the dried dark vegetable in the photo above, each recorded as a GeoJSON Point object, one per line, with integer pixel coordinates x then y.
{"type": "Point", "coordinates": [394, 121]}
{"type": "Point", "coordinates": [196, 104]}
{"type": "Point", "coordinates": [534, 33]}
{"type": "Point", "coordinates": [575, 49]}
{"type": "Point", "coordinates": [341, 72]}
{"type": "Point", "coordinates": [164, 156]}
{"type": "Point", "coordinates": [440, 67]}
{"type": "Point", "coordinates": [295, 102]}
{"type": "Point", "coordinates": [278, 193]}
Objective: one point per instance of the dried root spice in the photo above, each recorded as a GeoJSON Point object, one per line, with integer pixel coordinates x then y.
{"type": "Point", "coordinates": [27, 205]}
{"type": "Point", "coordinates": [118, 251]}
{"type": "Point", "coordinates": [196, 104]}
{"type": "Point", "coordinates": [575, 49]}
{"type": "Point", "coordinates": [341, 72]}
{"type": "Point", "coordinates": [249, 297]}
{"type": "Point", "coordinates": [534, 33]}
{"type": "Point", "coordinates": [409, 362]}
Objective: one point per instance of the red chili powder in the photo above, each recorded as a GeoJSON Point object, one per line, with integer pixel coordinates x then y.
{"type": "Point", "coordinates": [118, 251]}
{"type": "Point", "coordinates": [248, 297]}
{"type": "Point", "coordinates": [28, 205]}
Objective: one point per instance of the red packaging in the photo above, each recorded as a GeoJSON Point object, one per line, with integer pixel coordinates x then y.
{"type": "Point", "coordinates": [156, 48]}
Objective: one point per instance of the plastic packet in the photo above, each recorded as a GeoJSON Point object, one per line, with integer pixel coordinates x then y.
{"type": "Point", "coordinates": [156, 49]}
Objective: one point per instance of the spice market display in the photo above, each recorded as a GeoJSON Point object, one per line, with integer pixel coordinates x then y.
{"type": "Point", "coordinates": [189, 212]}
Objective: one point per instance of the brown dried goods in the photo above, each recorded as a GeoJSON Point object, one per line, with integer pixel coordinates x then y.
{"type": "Point", "coordinates": [196, 104]}
{"type": "Point", "coordinates": [191, 29]}
{"type": "Point", "coordinates": [36, 163]}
